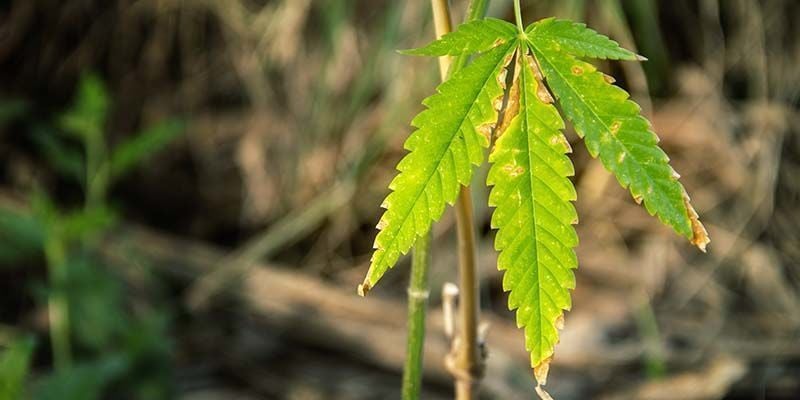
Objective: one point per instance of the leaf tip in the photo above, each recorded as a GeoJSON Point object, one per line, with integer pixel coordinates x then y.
{"type": "Point", "coordinates": [541, 370]}
{"type": "Point", "coordinates": [699, 234]}
{"type": "Point", "coordinates": [640, 57]}
{"type": "Point", "coordinates": [364, 287]}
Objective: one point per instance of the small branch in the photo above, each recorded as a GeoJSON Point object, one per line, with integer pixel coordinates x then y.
{"type": "Point", "coordinates": [466, 363]}
{"type": "Point", "coordinates": [443, 26]}
{"type": "Point", "coordinates": [476, 10]}
{"type": "Point", "coordinates": [58, 304]}
{"type": "Point", "coordinates": [418, 288]}
{"type": "Point", "coordinates": [417, 303]}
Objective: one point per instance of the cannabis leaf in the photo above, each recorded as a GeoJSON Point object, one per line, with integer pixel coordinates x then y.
{"type": "Point", "coordinates": [450, 139]}
{"type": "Point", "coordinates": [531, 191]}
{"type": "Point", "coordinates": [578, 40]}
{"type": "Point", "coordinates": [533, 213]}
{"type": "Point", "coordinates": [472, 37]}
{"type": "Point", "coordinates": [615, 131]}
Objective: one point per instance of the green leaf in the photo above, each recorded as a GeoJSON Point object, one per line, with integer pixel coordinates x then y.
{"type": "Point", "coordinates": [65, 159]}
{"type": "Point", "coordinates": [576, 39]}
{"type": "Point", "coordinates": [14, 364]}
{"type": "Point", "coordinates": [534, 214]}
{"type": "Point", "coordinates": [615, 131]}
{"type": "Point", "coordinates": [88, 113]}
{"type": "Point", "coordinates": [85, 381]}
{"type": "Point", "coordinates": [471, 37]}
{"type": "Point", "coordinates": [132, 152]}
{"type": "Point", "coordinates": [451, 136]}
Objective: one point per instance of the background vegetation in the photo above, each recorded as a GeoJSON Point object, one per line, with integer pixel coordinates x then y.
{"type": "Point", "coordinates": [188, 192]}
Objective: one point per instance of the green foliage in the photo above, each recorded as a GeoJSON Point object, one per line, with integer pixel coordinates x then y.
{"type": "Point", "coordinates": [132, 152]}
{"type": "Point", "coordinates": [81, 382]}
{"type": "Point", "coordinates": [450, 140]}
{"type": "Point", "coordinates": [471, 37]}
{"type": "Point", "coordinates": [576, 39]}
{"type": "Point", "coordinates": [88, 113]}
{"type": "Point", "coordinates": [119, 347]}
{"type": "Point", "coordinates": [616, 132]}
{"type": "Point", "coordinates": [14, 363]}
{"type": "Point", "coordinates": [531, 191]}
{"type": "Point", "coordinates": [533, 214]}
{"type": "Point", "coordinates": [98, 166]}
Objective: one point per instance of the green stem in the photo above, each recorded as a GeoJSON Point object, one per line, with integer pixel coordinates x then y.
{"type": "Point", "coordinates": [468, 360]}
{"type": "Point", "coordinates": [96, 170]}
{"type": "Point", "coordinates": [417, 303]}
{"type": "Point", "coordinates": [466, 363]}
{"type": "Point", "coordinates": [418, 286]}
{"type": "Point", "coordinates": [58, 304]}
{"type": "Point", "coordinates": [518, 15]}
{"type": "Point", "coordinates": [477, 10]}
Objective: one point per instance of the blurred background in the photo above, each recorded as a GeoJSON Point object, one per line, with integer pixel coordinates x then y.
{"type": "Point", "coordinates": [189, 189]}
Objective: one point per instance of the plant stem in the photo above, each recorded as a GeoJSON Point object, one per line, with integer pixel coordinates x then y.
{"type": "Point", "coordinates": [467, 361]}
{"type": "Point", "coordinates": [418, 286]}
{"type": "Point", "coordinates": [417, 303]}
{"type": "Point", "coordinates": [518, 15]}
{"type": "Point", "coordinates": [96, 170]}
{"type": "Point", "coordinates": [58, 305]}
{"type": "Point", "coordinates": [476, 10]}
{"type": "Point", "coordinates": [443, 26]}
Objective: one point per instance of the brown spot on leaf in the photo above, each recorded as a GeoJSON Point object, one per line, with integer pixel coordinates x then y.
{"type": "Point", "coordinates": [615, 127]}
{"type": "Point", "coordinates": [561, 140]}
{"type": "Point", "coordinates": [540, 371]}
{"type": "Point", "coordinates": [512, 105]}
{"type": "Point", "coordinates": [699, 234]}
{"type": "Point", "coordinates": [486, 130]}
{"type": "Point", "coordinates": [535, 66]}
{"type": "Point", "coordinates": [364, 288]}
{"type": "Point", "coordinates": [577, 70]}
{"type": "Point", "coordinates": [543, 94]}
{"type": "Point", "coordinates": [541, 89]}
{"type": "Point", "coordinates": [609, 79]}
{"type": "Point", "coordinates": [513, 170]}
{"type": "Point", "coordinates": [501, 78]}
{"type": "Point", "coordinates": [560, 322]}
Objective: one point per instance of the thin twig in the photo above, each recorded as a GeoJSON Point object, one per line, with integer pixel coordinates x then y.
{"type": "Point", "coordinates": [466, 363]}
{"type": "Point", "coordinates": [417, 304]}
